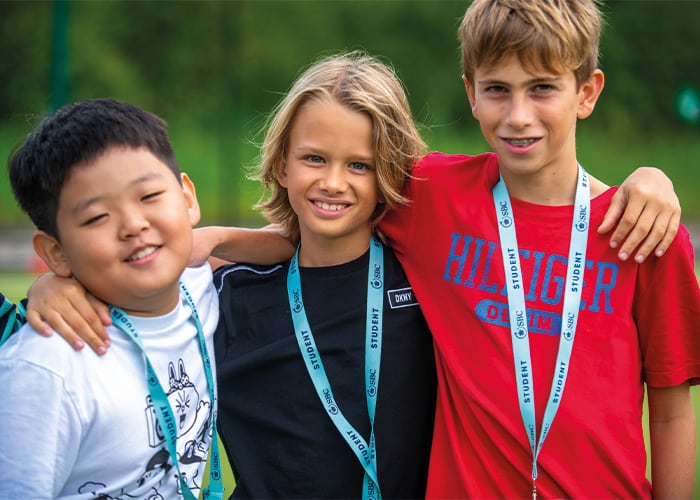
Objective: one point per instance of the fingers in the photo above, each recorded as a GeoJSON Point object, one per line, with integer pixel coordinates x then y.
{"type": "Point", "coordinates": [87, 323]}
{"type": "Point", "coordinates": [647, 229]}
{"type": "Point", "coordinates": [645, 212]}
{"type": "Point", "coordinates": [101, 310]}
{"type": "Point", "coordinates": [40, 326]}
{"type": "Point", "coordinates": [613, 214]}
{"type": "Point", "coordinates": [62, 303]}
{"type": "Point", "coordinates": [62, 327]}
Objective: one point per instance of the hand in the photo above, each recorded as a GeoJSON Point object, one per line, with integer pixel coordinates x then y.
{"type": "Point", "coordinates": [647, 211]}
{"type": "Point", "coordinates": [62, 304]}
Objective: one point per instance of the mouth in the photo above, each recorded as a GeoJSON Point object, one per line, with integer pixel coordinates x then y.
{"type": "Point", "coordinates": [330, 207]}
{"type": "Point", "coordinates": [142, 254]}
{"type": "Point", "coordinates": [520, 143]}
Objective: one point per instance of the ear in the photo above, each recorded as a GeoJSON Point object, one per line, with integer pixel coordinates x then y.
{"type": "Point", "coordinates": [51, 252]}
{"type": "Point", "coordinates": [471, 95]}
{"type": "Point", "coordinates": [281, 173]}
{"type": "Point", "coordinates": [589, 93]}
{"type": "Point", "coordinates": [191, 199]}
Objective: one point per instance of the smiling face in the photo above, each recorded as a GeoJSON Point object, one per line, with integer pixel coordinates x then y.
{"type": "Point", "coordinates": [528, 117]}
{"type": "Point", "coordinates": [331, 181]}
{"type": "Point", "coordinates": [125, 227]}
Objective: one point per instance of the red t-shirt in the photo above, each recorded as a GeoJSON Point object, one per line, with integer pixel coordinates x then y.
{"type": "Point", "coordinates": [637, 324]}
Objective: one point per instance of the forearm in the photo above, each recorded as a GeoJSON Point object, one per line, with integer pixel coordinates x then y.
{"type": "Point", "coordinates": [235, 244]}
{"type": "Point", "coordinates": [672, 440]}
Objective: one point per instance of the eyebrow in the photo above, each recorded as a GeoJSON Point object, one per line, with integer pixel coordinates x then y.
{"type": "Point", "coordinates": [531, 81]}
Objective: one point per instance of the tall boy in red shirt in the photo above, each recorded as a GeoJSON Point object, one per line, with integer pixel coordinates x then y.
{"type": "Point", "coordinates": [544, 339]}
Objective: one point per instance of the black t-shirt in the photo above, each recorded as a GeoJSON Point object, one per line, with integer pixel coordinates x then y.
{"type": "Point", "coordinates": [276, 432]}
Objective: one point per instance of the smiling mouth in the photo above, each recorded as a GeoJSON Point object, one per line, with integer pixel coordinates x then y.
{"type": "Point", "coordinates": [330, 207]}
{"type": "Point", "coordinates": [144, 252]}
{"type": "Point", "coordinates": [520, 142]}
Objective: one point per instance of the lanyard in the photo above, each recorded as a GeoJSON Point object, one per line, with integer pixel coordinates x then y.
{"type": "Point", "coordinates": [164, 412]}
{"type": "Point", "coordinates": [365, 453]}
{"type": "Point", "coordinates": [518, 314]}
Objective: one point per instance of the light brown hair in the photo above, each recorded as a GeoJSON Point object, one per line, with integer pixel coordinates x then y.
{"type": "Point", "coordinates": [557, 35]}
{"type": "Point", "coordinates": [364, 84]}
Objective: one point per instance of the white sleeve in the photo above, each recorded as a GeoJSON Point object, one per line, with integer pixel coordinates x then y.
{"type": "Point", "coordinates": [40, 431]}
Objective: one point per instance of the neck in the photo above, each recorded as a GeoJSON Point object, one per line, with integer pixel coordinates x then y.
{"type": "Point", "coordinates": [550, 185]}
{"type": "Point", "coordinates": [323, 252]}
{"type": "Point", "coordinates": [153, 306]}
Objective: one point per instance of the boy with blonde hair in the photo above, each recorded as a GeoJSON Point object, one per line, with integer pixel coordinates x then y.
{"type": "Point", "coordinates": [514, 273]}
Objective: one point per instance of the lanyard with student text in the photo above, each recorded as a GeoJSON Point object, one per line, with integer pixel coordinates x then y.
{"type": "Point", "coordinates": [162, 408]}
{"type": "Point", "coordinates": [518, 312]}
{"type": "Point", "coordinates": [365, 453]}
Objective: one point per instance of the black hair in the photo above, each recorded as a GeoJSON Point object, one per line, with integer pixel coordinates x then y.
{"type": "Point", "coordinates": [75, 135]}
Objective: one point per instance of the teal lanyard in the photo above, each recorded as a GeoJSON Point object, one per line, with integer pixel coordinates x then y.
{"type": "Point", "coordinates": [164, 412]}
{"type": "Point", "coordinates": [365, 453]}
{"type": "Point", "coordinates": [518, 312]}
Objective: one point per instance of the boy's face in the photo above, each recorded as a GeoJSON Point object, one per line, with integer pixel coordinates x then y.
{"type": "Point", "coordinates": [528, 116]}
{"type": "Point", "coordinates": [330, 179]}
{"type": "Point", "coordinates": [125, 225]}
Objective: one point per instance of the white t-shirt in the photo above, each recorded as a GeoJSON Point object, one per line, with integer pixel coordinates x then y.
{"type": "Point", "coordinates": [77, 425]}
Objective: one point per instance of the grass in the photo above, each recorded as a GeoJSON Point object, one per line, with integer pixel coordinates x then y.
{"type": "Point", "coordinates": [14, 286]}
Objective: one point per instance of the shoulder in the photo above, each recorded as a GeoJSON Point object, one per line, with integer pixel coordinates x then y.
{"type": "Point", "coordinates": [247, 275]}
{"type": "Point", "coordinates": [199, 284]}
{"type": "Point", "coordinates": [197, 279]}
{"type": "Point", "coordinates": [27, 352]}
{"type": "Point", "coordinates": [453, 172]}
{"type": "Point", "coordinates": [436, 161]}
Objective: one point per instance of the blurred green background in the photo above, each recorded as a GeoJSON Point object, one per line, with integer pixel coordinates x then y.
{"type": "Point", "coordinates": [214, 69]}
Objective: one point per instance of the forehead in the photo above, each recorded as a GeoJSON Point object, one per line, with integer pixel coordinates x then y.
{"type": "Point", "coordinates": [115, 170]}
{"type": "Point", "coordinates": [332, 122]}
{"type": "Point", "coordinates": [533, 64]}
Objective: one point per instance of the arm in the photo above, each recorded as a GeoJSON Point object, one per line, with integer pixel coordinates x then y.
{"type": "Point", "coordinates": [234, 244]}
{"type": "Point", "coordinates": [62, 304]}
{"type": "Point", "coordinates": [672, 439]}
{"type": "Point", "coordinates": [647, 211]}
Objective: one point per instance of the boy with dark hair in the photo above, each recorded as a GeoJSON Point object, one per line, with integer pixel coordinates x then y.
{"type": "Point", "coordinates": [514, 272]}
{"type": "Point", "coordinates": [112, 210]}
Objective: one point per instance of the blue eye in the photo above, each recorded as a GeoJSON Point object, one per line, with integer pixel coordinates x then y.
{"type": "Point", "coordinates": [358, 166]}
{"type": "Point", "coordinates": [314, 159]}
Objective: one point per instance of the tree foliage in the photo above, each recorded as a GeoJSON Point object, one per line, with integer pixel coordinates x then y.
{"type": "Point", "coordinates": [218, 67]}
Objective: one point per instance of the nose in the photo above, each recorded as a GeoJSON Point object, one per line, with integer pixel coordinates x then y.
{"type": "Point", "coordinates": [333, 180]}
{"type": "Point", "coordinates": [520, 114]}
{"type": "Point", "coordinates": [133, 223]}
